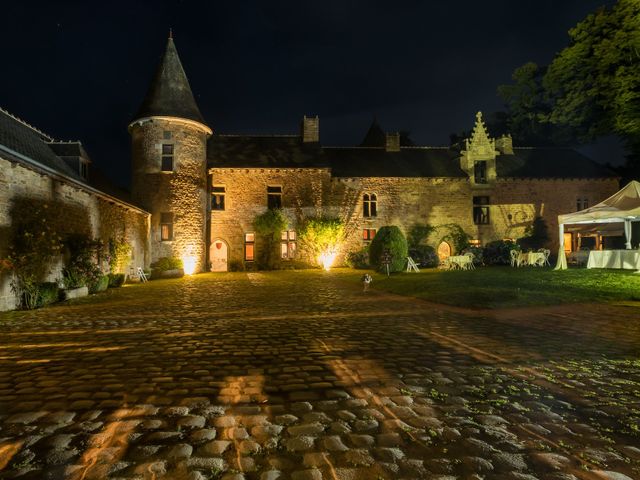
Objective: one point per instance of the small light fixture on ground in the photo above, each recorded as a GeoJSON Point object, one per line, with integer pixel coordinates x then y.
{"type": "Point", "coordinates": [326, 259]}
{"type": "Point", "coordinates": [189, 265]}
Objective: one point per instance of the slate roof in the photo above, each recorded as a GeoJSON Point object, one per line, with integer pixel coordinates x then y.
{"type": "Point", "coordinates": [263, 151]}
{"type": "Point", "coordinates": [550, 163]}
{"type": "Point", "coordinates": [69, 149]}
{"type": "Point", "coordinates": [169, 93]}
{"type": "Point", "coordinates": [408, 162]}
{"type": "Point", "coordinates": [30, 142]}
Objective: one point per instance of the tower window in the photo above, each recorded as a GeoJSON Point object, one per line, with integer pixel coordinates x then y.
{"type": "Point", "coordinates": [274, 197]}
{"type": "Point", "coordinates": [166, 226]}
{"type": "Point", "coordinates": [288, 244]}
{"type": "Point", "coordinates": [249, 246]}
{"type": "Point", "coordinates": [369, 205]}
{"type": "Point", "coordinates": [481, 210]}
{"type": "Point", "coordinates": [167, 157]}
{"type": "Point", "coordinates": [480, 171]}
{"type": "Point", "coordinates": [166, 135]}
{"type": "Point", "coordinates": [217, 198]}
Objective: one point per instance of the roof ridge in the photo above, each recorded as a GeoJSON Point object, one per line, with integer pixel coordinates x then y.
{"type": "Point", "coordinates": [264, 135]}
{"type": "Point", "coordinates": [28, 125]}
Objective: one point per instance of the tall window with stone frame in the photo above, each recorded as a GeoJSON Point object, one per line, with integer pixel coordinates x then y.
{"type": "Point", "coordinates": [166, 226]}
{"type": "Point", "coordinates": [480, 171]}
{"type": "Point", "coordinates": [274, 197]}
{"type": "Point", "coordinates": [217, 197]}
{"type": "Point", "coordinates": [167, 157]}
{"type": "Point", "coordinates": [249, 246]}
{"type": "Point", "coordinates": [582, 203]}
{"type": "Point", "coordinates": [369, 205]}
{"type": "Point", "coordinates": [481, 210]}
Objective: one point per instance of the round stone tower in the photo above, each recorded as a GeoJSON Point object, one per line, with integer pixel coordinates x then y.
{"type": "Point", "coordinates": [169, 165]}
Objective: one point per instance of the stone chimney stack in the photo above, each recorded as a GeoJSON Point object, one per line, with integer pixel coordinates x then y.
{"type": "Point", "coordinates": [504, 145]}
{"type": "Point", "coordinates": [310, 129]}
{"type": "Point", "coordinates": [392, 143]}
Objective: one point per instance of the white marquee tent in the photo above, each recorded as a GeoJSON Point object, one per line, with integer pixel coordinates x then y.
{"type": "Point", "coordinates": [621, 207]}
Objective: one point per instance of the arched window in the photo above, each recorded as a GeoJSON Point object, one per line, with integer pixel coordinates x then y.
{"type": "Point", "coordinates": [369, 205]}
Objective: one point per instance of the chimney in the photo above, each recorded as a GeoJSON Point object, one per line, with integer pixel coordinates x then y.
{"type": "Point", "coordinates": [310, 129]}
{"type": "Point", "coordinates": [504, 145]}
{"type": "Point", "coordinates": [392, 143]}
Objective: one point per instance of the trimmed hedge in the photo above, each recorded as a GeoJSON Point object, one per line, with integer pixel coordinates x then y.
{"type": "Point", "coordinates": [358, 259]}
{"type": "Point", "coordinates": [100, 286]}
{"type": "Point", "coordinates": [116, 280]}
{"type": "Point", "coordinates": [391, 239]}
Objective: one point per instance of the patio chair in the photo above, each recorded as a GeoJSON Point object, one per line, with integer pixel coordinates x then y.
{"type": "Point", "coordinates": [470, 265]}
{"type": "Point", "coordinates": [547, 253]}
{"type": "Point", "coordinates": [514, 257]}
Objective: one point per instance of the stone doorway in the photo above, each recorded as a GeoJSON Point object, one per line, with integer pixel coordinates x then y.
{"type": "Point", "coordinates": [218, 253]}
{"type": "Point", "coordinates": [444, 251]}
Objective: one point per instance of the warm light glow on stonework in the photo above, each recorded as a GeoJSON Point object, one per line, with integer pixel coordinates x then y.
{"type": "Point", "coordinates": [326, 259]}
{"type": "Point", "coordinates": [189, 265]}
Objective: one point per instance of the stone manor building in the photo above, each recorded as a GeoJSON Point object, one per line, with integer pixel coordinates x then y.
{"type": "Point", "coordinates": [204, 189]}
{"type": "Point", "coordinates": [196, 192]}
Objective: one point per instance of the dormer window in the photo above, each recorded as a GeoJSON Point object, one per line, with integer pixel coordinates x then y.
{"type": "Point", "coordinates": [480, 171]}
{"type": "Point", "coordinates": [84, 169]}
{"type": "Point", "coordinates": [274, 197]}
{"type": "Point", "coordinates": [167, 157]}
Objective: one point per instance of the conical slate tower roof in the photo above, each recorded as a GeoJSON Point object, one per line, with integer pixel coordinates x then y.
{"type": "Point", "coordinates": [169, 93]}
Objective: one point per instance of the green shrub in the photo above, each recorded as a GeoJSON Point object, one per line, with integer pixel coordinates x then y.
{"type": "Point", "coordinates": [536, 235]}
{"type": "Point", "coordinates": [417, 233]}
{"type": "Point", "coordinates": [390, 239]}
{"type": "Point", "coordinates": [166, 263]}
{"type": "Point", "coordinates": [116, 280]}
{"type": "Point", "coordinates": [236, 266]}
{"type": "Point", "coordinates": [499, 252]}
{"type": "Point", "coordinates": [35, 241]}
{"type": "Point", "coordinates": [358, 259]}
{"type": "Point", "coordinates": [48, 293]}
{"type": "Point", "coordinates": [425, 256]}
{"type": "Point", "coordinates": [81, 269]}
{"type": "Point", "coordinates": [269, 225]}
{"type": "Point", "coordinates": [320, 235]}
{"type": "Point", "coordinates": [100, 285]}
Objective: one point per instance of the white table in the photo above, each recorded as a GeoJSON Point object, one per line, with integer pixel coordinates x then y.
{"type": "Point", "coordinates": [530, 258]}
{"type": "Point", "coordinates": [462, 262]}
{"type": "Point", "coordinates": [626, 259]}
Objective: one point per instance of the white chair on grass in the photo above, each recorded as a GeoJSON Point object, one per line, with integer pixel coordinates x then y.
{"type": "Point", "coordinates": [469, 264]}
{"type": "Point", "coordinates": [514, 257]}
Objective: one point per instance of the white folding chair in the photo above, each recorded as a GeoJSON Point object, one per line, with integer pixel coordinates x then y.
{"type": "Point", "coordinates": [514, 257]}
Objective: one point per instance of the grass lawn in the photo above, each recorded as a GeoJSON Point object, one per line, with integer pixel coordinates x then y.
{"type": "Point", "coordinates": [499, 287]}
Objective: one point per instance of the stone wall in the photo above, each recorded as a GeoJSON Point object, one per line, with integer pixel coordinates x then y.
{"type": "Point", "coordinates": [99, 216]}
{"type": "Point", "coordinates": [181, 192]}
{"type": "Point", "coordinates": [514, 203]}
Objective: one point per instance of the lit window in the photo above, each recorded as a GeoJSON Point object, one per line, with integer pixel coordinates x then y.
{"type": "Point", "coordinates": [288, 244]}
{"type": "Point", "coordinates": [480, 171]}
{"type": "Point", "coordinates": [167, 157]}
{"type": "Point", "coordinates": [166, 226]}
{"type": "Point", "coordinates": [217, 198]}
{"type": "Point", "coordinates": [369, 205]}
{"type": "Point", "coordinates": [368, 234]}
{"type": "Point", "coordinates": [474, 243]}
{"type": "Point", "coordinates": [274, 197]}
{"type": "Point", "coordinates": [249, 246]}
{"type": "Point", "coordinates": [481, 210]}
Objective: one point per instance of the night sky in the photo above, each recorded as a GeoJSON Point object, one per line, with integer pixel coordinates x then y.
{"type": "Point", "coordinates": [79, 70]}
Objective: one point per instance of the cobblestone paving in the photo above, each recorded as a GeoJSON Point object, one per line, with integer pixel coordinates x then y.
{"type": "Point", "coordinates": [302, 376]}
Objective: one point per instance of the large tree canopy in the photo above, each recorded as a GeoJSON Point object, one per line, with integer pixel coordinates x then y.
{"type": "Point", "coordinates": [591, 88]}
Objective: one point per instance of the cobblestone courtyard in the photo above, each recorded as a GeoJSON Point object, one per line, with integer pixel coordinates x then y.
{"type": "Point", "coordinates": [299, 375]}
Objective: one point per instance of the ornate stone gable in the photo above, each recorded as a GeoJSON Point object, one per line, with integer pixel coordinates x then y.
{"type": "Point", "coordinates": [480, 145]}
